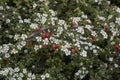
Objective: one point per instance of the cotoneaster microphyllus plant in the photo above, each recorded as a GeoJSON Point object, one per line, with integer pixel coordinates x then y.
{"type": "Point", "coordinates": [59, 39]}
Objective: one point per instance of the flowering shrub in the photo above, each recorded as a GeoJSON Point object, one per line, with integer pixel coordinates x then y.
{"type": "Point", "coordinates": [62, 39]}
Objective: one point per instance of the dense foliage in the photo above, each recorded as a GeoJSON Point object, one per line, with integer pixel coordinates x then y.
{"type": "Point", "coordinates": [59, 39]}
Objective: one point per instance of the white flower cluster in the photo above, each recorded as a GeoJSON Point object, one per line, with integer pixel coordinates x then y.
{"type": "Point", "coordinates": [83, 53]}
{"type": "Point", "coordinates": [5, 48]}
{"type": "Point", "coordinates": [14, 51]}
{"type": "Point", "coordinates": [37, 47]}
{"type": "Point", "coordinates": [80, 30]}
{"type": "Point", "coordinates": [81, 73]}
{"type": "Point", "coordinates": [17, 74]}
{"type": "Point", "coordinates": [102, 18]}
{"type": "Point", "coordinates": [43, 77]}
{"type": "Point", "coordinates": [54, 40]}
{"type": "Point", "coordinates": [59, 31]}
{"type": "Point", "coordinates": [46, 41]}
{"type": "Point", "coordinates": [39, 39]}
{"type": "Point", "coordinates": [105, 36]}
{"type": "Point", "coordinates": [118, 21]}
{"type": "Point", "coordinates": [23, 36]}
{"type": "Point", "coordinates": [33, 25]}
{"type": "Point", "coordinates": [17, 36]}
{"type": "Point", "coordinates": [118, 10]}
{"type": "Point", "coordinates": [65, 49]}
{"type": "Point", "coordinates": [93, 33]}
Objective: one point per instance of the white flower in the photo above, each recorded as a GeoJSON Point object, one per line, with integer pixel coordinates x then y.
{"type": "Point", "coordinates": [10, 36]}
{"type": "Point", "coordinates": [111, 59]}
{"type": "Point", "coordinates": [16, 69]}
{"type": "Point", "coordinates": [33, 25]}
{"type": "Point", "coordinates": [34, 5]}
{"type": "Point", "coordinates": [67, 52]}
{"type": "Point", "coordinates": [43, 20]}
{"type": "Point", "coordinates": [93, 33]}
{"type": "Point", "coordinates": [14, 51]}
{"type": "Point", "coordinates": [77, 19]}
{"type": "Point", "coordinates": [38, 39]}
{"type": "Point", "coordinates": [116, 65]}
{"type": "Point", "coordinates": [45, 15]}
{"type": "Point", "coordinates": [84, 16]}
{"type": "Point", "coordinates": [11, 71]}
{"type": "Point", "coordinates": [81, 76]}
{"type": "Point", "coordinates": [83, 68]}
{"type": "Point", "coordinates": [20, 21]}
{"type": "Point", "coordinates": [86, 47]}
{"type": "Point", "coordinates": [118, 10]}
{"type": "Point", "coordinates": [59, 30]}
{"type": "Point", "coordinates": [1, 7]}
{"type": "Point", "coordinates": [89, 27]}
{"type": "Point", "coordinates": [105, 36]}
{"type": "Point", "coordinates": [41, 0]}
{"type": "Point", "coordinates": [101, 18]}
{"type": "Point", "coordinates": [25, 51]}
{"type": "Point", "coordinates": [29, 79]}
{"type": "Point", "coordinates": [19, 46]}
{"type": "Point", "coordinates": [61, 22]}
{"type": "Point", "coordinates": [16, 37]}
{"type": "Point", "coordinates": [23, 43]}
{"type": "Point", "coordinates": [93, 46]}
{"type": "Point", "coordinates": [110, 16]}
{"type": "Point", "coordinates": [64, 49]}
{"type": "Point", "coordinates": [24, 36]}
{"type": "Point", "coordinates": [5, 48]}
{"type": "Point", "coordinates": [80, 30]}
{"type": "Point", "coordinates": [118, 20]}
{"type": "Point", "coordinates": [24, 71]}
{"type": "Point", "coordinates": [43, 77]}
{"type": "Point", "coordinates": [15, 75]}
{"type": "Point", "coordinates": [7, 20]}
{"type": "Point", "coordinates": [33, 76]}
{"type": "Point", "coordinates": [27, 20]}
{"type": "Point", "coordinates": [39, 15]}
{"type": "Point", "coordinates": [94, 51]}
{"type": "Point", "coordinates": [79, 71]}
{"type": "Point", "coordinates": [21, 75]}
{"type": "Point", "coordinates": [96, 0]}
{"type": "Point", "coordinates": [47, 75]}
{"type": "Point", "coordinates": [29, 74]}
{"type": "Point", "coordinates": [7, 55]}
{"type": "Point", "coordinates": [76, 73]}
{"type": "Point", "coordinates": [52, 12]}
{"type": "Point", "coordinates": [83, 53]}
{"type": "Point", "coordinates": [46, 41]}
{"type": "Point", "coordinates": [68, 45]}
{"type": "Point", "coordinates": [4, 71]}
{"type": "Point", "coordinates": [19, 78]}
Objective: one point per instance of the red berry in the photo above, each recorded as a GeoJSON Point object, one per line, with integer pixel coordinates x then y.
{"type": "Point", "coordinates": [28, 43]}
{"type": "Point", "coordinates": [55, 34]}
{"type": "Point", "coordinates": [54, 46]}
{"type": "Point", "coordinates": [4, 59]}
{"type": "Point", "coordinates": [44, 45]}
{"type": "Point", "coordinates": [116, 46]}
{"type": "Point", "coordinates": [47, 34]}
{"type": "Point", "coordinates": [37, 29]}
{"type": "Point", "coordinates": [73, 50]}
{"type": "Point", "coordinates": [43, 36]}
{"type": "Point", "coordinates": [73, 23]}
{"type": "Point", "coordinates": [93, 38]}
